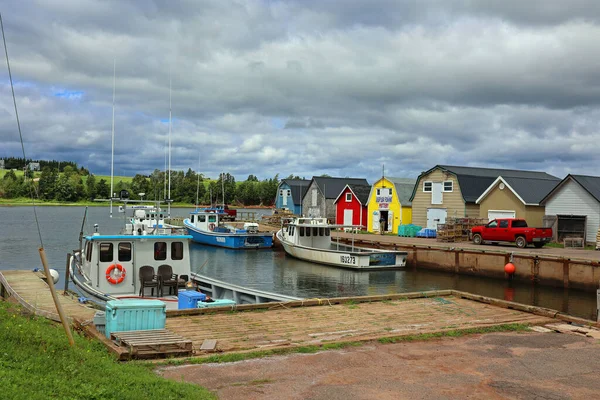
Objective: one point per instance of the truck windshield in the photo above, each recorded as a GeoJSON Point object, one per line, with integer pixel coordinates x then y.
{"type": "Point", "coordinates": [519, 223]}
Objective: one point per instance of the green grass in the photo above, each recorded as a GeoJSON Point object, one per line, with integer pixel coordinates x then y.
{"type": "Point", "coordinates": [456, 333]}
{"type": "Point", "coordinates": [36, 362]}
{"type": "Point", "coordinates": [562, 246]}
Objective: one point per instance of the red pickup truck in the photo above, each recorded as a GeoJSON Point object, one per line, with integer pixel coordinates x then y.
{"type": "Point", "coordinates": [511, 230]}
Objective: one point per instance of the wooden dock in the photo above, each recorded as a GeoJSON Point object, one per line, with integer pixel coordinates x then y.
{"type": "Point", "coordinates": [328, 321]}
{"type": "Point", "coordinates": [31, 291]}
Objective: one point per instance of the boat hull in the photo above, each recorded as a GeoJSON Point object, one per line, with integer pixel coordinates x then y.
{"type": "Point", "coordinates": [231, 240]}
{"type": "Point", "coordinates": [366, 259]}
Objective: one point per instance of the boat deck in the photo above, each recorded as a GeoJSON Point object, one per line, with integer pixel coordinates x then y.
{"type": "Point", "coordinates": [32, 292]}
{"type": "Point", "coordinates": [315, 322]}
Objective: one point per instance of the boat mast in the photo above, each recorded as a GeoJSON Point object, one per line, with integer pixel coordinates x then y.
{"type": "Point", "coordinates": [169, 197]}
{"type": "Point", "coordinates": [223, 188]}
{"type": "Point", "coordinates": [198, 182]}
{"type": "Point", "coordinates": [112, 153]}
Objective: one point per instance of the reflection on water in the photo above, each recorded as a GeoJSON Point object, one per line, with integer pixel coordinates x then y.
{"type": "Point", "coordinates": [269, 270]}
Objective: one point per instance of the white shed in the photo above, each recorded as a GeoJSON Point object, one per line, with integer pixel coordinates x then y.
{"type": "Point", "coordinates": [575, 204]}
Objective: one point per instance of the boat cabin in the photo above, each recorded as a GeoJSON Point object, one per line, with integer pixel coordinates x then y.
{"type": "Point", "coordinates": [308, 232]}
{"type": "Point", "coordinates": [111, 263]}
{"type": "Point", "coordinates": [208, 220]}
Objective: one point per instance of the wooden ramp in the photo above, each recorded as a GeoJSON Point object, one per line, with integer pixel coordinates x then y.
{"type": "Point", "coordinates": [32, 292]}
{"type": "Point", "coordinates": [152, 343]}
{"type": "Point", "coordinates": [316, 322]}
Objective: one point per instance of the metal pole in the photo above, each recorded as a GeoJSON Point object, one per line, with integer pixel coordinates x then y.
{"type": "Point", "coordinates": [67, 274]}
{"type": "Point", "coordinates": [112, 152]}
{"type": "Point", "coordinates": [61, 314]}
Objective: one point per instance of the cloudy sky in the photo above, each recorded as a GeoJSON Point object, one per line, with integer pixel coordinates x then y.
{"type": "Point", "coordinates": [306, 87]}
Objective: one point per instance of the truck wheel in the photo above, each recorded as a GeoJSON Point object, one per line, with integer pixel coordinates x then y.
{"type": "Point", "coordinates": [538, 245]}
{"type": "Point", "coordinates": [477, 239]}
{"type": "Point", "coordinates": [521, 242]}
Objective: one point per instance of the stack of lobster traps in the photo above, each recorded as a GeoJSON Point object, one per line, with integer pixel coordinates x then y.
{"type": "Point", "coordinates": [458, 229]}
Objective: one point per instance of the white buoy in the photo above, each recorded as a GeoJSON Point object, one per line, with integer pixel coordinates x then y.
{"type": "Point", "coordinates": [55, 275]}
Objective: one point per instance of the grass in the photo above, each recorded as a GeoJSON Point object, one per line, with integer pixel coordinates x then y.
{"type": "Point", "coordinates": [456, 333]}
{"type": "Point", "coordinates": [562, 246]}
{"type": "Point", "coordinates": [36, 362]}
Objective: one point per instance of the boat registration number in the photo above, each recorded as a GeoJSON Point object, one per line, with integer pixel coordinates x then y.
{"type": "Point", "coordinates": [348, 259]}
{"type": "Point", "coordinates": [220, 239]}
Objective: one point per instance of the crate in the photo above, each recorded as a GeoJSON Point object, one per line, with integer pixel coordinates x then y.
{"type": "Point", "coordinates": [134, 315]}
{"type": "Point", "coordinates": [189, 299]}
{"type": "Point", "coordinates": [408, 230]}
{"type": "Point", "coordinates": [217, 303]}
{"type": "Point", "coordinates": [427, 233]}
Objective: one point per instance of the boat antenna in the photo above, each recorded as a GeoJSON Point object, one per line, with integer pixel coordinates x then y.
{"type": "Point", "coordinates": [198, 182]}
{"type": "Point", "coordinates": [112, 148]}
{"type": "Point", "coordinates": [223, 188]}
{"type": "Point", "coordinates": [169, 197]}
{"type": "Point", "coordinates": [49, 279]}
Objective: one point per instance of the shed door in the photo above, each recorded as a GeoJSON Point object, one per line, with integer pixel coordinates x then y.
{"type": "Point", "coordinates": [499, 214]}
{"type": "Point", "coordinates": [435, 216]}
{"type": "Point", "coordinates": [390, 221]}
{"type": "Point", "coordinates": [436, 192]}
{"type": "Point", "coordinates": [375, 221]}
{"type": "Point", "coordinates": [348, 217]}
{"type": "Point", "coordinates": [285, 197]}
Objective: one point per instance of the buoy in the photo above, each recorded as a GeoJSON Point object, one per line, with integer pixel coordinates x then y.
{"type": "Point", "coordinates": [55, 275]}
{"type": "Point", "coordinates": [510, 268]}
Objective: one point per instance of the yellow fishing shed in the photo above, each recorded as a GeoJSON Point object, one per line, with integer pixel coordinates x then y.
{"type": "Point", "coordinates": [390, 199]}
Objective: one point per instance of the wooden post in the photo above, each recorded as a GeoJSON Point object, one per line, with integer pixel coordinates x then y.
{"type": "Point", "coordinates": [61, 313]}
{"type": "Point", "coordinates": [67, 274]}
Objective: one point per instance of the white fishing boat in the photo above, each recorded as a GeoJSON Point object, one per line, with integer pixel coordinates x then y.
{"type": "Point", "coordinates": [310, 239]}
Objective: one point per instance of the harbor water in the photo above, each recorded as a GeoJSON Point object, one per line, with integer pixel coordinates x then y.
{"type": "Point", "coordinates": [271, 270]}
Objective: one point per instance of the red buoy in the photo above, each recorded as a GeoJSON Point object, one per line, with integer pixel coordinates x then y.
{"type": "Point", "coordinates": [510, 268]}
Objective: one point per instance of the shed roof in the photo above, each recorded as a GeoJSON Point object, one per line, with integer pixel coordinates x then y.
{"type": "Point", "coordinates": [474, 181]}
{"type": "Point", "coordinates": [298, 188]}
{"type": "Point", "coordinates": [590, 183]}
{"type": "Point", "coordinates": [332, 187]}
{"type": "Point", "coordinates": [404, 188]}
{"type": "Point", "coordinates": [530, 191]}
{"type": "Point", "coordinates": [361, 192]}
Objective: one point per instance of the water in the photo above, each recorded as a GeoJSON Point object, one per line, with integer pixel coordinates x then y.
{"type": "Point", "coordinates": [269, 270]}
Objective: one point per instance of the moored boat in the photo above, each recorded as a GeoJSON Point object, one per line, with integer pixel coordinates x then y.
{"type": "Point", "coordinates": [310, 239]}
{"type": "Point", "coordinates": [207, 227]}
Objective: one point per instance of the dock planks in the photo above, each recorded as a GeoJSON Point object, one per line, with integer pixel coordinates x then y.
{"type": "Point", "coordinates": [315, 325]}
{"type": "Point", "coordinates": [32, 292]}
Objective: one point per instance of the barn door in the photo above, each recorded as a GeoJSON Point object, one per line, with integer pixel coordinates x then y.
{"type": "Point", "coordinates": [348, 217]}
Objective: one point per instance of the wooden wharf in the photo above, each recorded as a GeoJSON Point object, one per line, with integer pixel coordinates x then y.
{"type": "Point", "coordinates": [310, 322]}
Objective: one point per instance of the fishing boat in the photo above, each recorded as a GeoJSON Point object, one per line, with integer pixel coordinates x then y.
{"type": "Point", "coordinates": [310, 239]}
{"type": "Point", "coordinates": [207, 226]}
{"type": "Point", "coordinates": [147, 218]}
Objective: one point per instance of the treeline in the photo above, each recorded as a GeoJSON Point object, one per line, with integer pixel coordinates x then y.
{"type": "Point", "coordinates": [21, 163]}
{"type": "Point", "coordinates": [72, 184]}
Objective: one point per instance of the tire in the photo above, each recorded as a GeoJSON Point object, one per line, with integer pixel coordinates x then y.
{"type": "Point", "coordinates": [521, 242]}
{"type": "Point", "coordinates": [538, 245]}
{"type": "Point", "coordinates": [477, 239]}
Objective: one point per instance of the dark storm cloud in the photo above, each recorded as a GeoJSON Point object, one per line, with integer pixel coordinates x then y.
{"type": "Point", "coordinates": [306, 87]}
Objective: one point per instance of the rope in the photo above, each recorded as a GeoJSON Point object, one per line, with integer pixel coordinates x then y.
{"type": "Point", "coordinates": [12, 88]}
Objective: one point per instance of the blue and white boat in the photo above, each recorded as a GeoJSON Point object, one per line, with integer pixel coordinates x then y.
{"type": "Point", "coordinates": [207, 227]}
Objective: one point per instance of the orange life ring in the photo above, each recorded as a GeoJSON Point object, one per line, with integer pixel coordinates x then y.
{"type": "Point", "coordinates": [211, 227]}
{"type": "Point", "coordinates": [120, 278]}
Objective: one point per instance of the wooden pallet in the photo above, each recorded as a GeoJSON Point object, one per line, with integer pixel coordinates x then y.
{"type": "Point", "coordinates": [153, 343]}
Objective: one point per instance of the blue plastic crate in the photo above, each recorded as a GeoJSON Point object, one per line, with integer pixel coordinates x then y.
{"type": "Point", "coordinates": [217, 303]}
{"type": "Point", "coordinates": [189, 299]}
{"type": "Point", "coordinates": [427, 233]}
{"type": "Point", "coordinates": [134, 315]}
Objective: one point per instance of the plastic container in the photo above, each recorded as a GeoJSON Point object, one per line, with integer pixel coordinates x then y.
{"type": "Point", "coordinates": [189, 299]}
{"type": "Point", "coordinates": [100, 321]}
{"type": "Point", "coordinates": [427, 233]}
{"type": "Point", "coordinates": [134, 315]}
{"type": "Point", "coordinates": [217, 303]}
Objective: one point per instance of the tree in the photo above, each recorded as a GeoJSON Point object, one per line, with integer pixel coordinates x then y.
{"type": "Point", "coordinates": [47, 183]}
{"type": "Point", "coordinates": [90, 187]}
{"type": "Point", "coordinates": [140, 184]}
{"type": "Point", "coordinates": [102, 189]}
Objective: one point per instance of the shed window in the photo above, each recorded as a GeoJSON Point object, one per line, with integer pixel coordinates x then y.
{"type": "Point", "coordinates": [124, 251]}
{"type": "Point", "coordinates": [348, 197]}
{"type": "Point", "coordinates": [427, 186]}
{"type": "Point", "coordinates": [289, 192]}
{"type": "Point", "coordinates": [448, 186]}
{"type": "Point", "coordinates": [390, 192]}
{"type": "Point", "coordinates": [281, 192]}
{"type": "Point", "coordinates": [106, 252]}
{"type": "Point", "coordinates": [160, 251]}
{"type": "Point", "coordinates": [378, 192]}
{"type": "Point", "coordinates": [177, 251]}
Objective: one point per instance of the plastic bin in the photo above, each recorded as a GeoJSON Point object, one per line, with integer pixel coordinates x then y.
{"type": "Point", "coordinates": [427, 233]}
{"type": "Point", "coordinates": [217, 303]}
{"type": "Point", "coordinates": [134, 315]}
{"type": "Point", "coordinates": [189, 299]}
